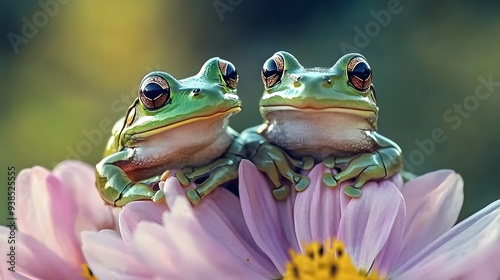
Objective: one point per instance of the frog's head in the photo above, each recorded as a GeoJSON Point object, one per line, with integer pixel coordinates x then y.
{"type": "Point", "coordinates": [345, 88]}
{"type": "Point", "coordinates": [164, 102]}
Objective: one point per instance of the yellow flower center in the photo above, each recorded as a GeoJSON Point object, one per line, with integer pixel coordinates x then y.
{"type": "Point", "coordinates": [87, 273]}
{"type": "Point", "coordinates": [325, 261]}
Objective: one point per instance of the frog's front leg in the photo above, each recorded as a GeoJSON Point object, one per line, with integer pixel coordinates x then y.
{"type": "Point", "coordinates": [378, 165]}
{"type": "Point", "coordinates": [218, 172]}
{"type": "Point", "coordinates": [113, 183]}
{"type": "Point", "coordinates": [276, 163]}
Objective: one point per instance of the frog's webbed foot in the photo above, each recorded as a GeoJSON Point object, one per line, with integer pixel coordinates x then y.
{"type": "Point", "coordinates": [218, 172]}
{"type": "Point", "coordinates": [135, 191]}
{"type": "Point", "coordinates": [362, 168]}
{"type": "Point", "coordinates": [276, 163]}
{"type": "Point", "coordinates": [328, 179]}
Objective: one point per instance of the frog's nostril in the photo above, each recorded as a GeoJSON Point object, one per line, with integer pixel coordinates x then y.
{"type": "Point", "coordinates": [327, 79]}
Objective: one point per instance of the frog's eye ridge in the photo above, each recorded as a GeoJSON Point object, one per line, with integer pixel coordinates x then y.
{"type": "Point", "coordinates": [154, 92]}
{"type": "Point", "coordinates": [272, 70]}
{"type": "Point", "coordinates": [229, 73]}
{"type": "Point", "coordinates": [359, 73]}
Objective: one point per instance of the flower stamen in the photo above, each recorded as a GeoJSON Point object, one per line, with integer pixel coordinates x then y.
{"type": "Point", "coordinates": [327, 261]}
{"type": "Point", "coordinates": [87, 273]}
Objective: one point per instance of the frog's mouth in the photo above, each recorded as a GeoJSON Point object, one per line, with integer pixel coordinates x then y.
{"type": "Point", "coordinates": [367, 114]}
{"type": "Point", "coordinates": [155, 131]}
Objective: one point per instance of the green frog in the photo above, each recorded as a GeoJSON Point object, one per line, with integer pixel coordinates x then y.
{"type": "Point", "coordinates": [174, 124]}
{"type": "Point", "coordinates": [320, 115]}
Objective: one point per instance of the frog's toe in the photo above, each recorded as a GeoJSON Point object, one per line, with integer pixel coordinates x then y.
{"type": "Point", "coordinates": [329, 180]}
{"type": "Point", "coordinates": [183, 179]}
{"type": "Point", "coordinates": [369, 173]}
{"type": "Point", "coordinates": [307, 163]}
{"type": "Point", "coordinates": [282, 192]}
{"type": "Point", "coordinates": [302, 183]}
{"type": "Point", "coordinates": [165, 175]}
{"type": "Point", "coordinates": [364, 177]}
{"type": "Point", "coordinates": [133, 192]}
{"type": "Point", "coordinates": [352, 192]}
{"type": "Point", "coordinates": [329, 162]}
{"type": "Point", "coordinates": [193, 196]}
{"type": "Point", "coordinates": [352, 171]}
{"type": "Point", "coordinates": [159, 196]}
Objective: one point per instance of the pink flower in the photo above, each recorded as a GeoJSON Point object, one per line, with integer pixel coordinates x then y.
{"type": "Point", "coordinates": [52, 208]}
{"type": "Point", "coordinates": [209, 241]}
{"type": "Point", "coordinates": [402, 231]}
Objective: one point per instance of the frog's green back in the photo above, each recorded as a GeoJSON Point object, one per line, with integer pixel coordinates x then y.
{"type": "Point", "coordinates": [113, 142]}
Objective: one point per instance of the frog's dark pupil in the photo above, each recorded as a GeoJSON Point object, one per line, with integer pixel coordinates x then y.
{"type": "Point", "coordinates": [270, 68]}
{"type": "Point", "coordinates": [231, 72]}
{"type": "Point", "coordinates": [362, 71]}
{"type": "Point", "coordinates": [153, 90]}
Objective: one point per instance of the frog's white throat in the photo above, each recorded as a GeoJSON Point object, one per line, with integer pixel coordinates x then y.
{"type": "Point", "coordinates": [193, 144]}
{"type": "Point", "coordinates": [320, 132]}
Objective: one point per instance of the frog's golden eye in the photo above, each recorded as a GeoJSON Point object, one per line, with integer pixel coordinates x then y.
{"type": "Point", "coordinates": [154, 92]}
{"type": "Point", "coordinates": [359, 73]}
{"type": "Point", "coordinates": [229, 73]}
{"type": "Point", "coordinates": [272, 71]}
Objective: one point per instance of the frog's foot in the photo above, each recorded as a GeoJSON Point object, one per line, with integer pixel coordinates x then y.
{"type": "Point", "coordinates": [275, 163]}
{"type": "Point", "coordinates": [328, 179]}
{"type": "Point", "coordinates": [159, 196]}
{"type": "Point", "coordinates": [183, 178]}
{"type": "Point", "coordinates": [306, 163]}
{"type": "Point", "coordinates": [280, 191]}
{"type": "Point", "coordinates": [164, 176]}
{"type": "Point", "coordinates": [218, 172]}
{"type": "Point", "coordinates": [362, 168]}
{"type": "Point", "coordinates": [134, 191]}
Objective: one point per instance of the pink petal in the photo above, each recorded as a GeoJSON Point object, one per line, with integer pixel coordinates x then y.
{"type": "Point", "coordinates": [485, 266]}
{"type": "Point", "coordinates": [160, 260]}
{"type": "Point", "coordinates": [64, 215]}
{"type": "Point", "coordinates": [49, 213]}
{"type": "Point", "coordinates": [263, 215]}
{"type": "Point", "coordinates": [56, 206]}
{"type": "Point", "coordinates": [286, 214]}
{"type": "Point", "coordinates": [460, 251]}
{"type": "Point", "coordinates": [137, 211]}
{"type": "Point", "coordinates": [388, 255]}
{"type": "Point", "coordinates": [32, 193]}
{"type": "Point", "coordinates": [93, 212]}
{"type": "Point", "coordinates": [8, 270]}
{"type": "Point", "coordinates": [228, 207]}
{"type": "Point", "coordinates": [181, 243]}
{"type": "Point", "coordinates": [28, 263]}
{"type": "Point", "coordinates": [433, 202]}
{"type": "Point", "coordinates": [318, 209]}
{"type": "Point", "coordinates": [371, 226]}
{"type": "Point", "coordinates": [110, 258]}
{"type": "Point", "coordinates": [221, 216]}
{"type": "Point", "coordinates": [235, 237]}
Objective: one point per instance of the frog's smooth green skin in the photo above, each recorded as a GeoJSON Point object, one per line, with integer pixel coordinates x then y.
{"type": "Point", "coordinates": [174, 124]}
{"type": "Point", "coordinates": [329, 114]}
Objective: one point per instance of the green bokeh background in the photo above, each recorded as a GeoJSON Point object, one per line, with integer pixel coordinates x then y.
{"type": "Point", "coordinates": [82, 67]}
